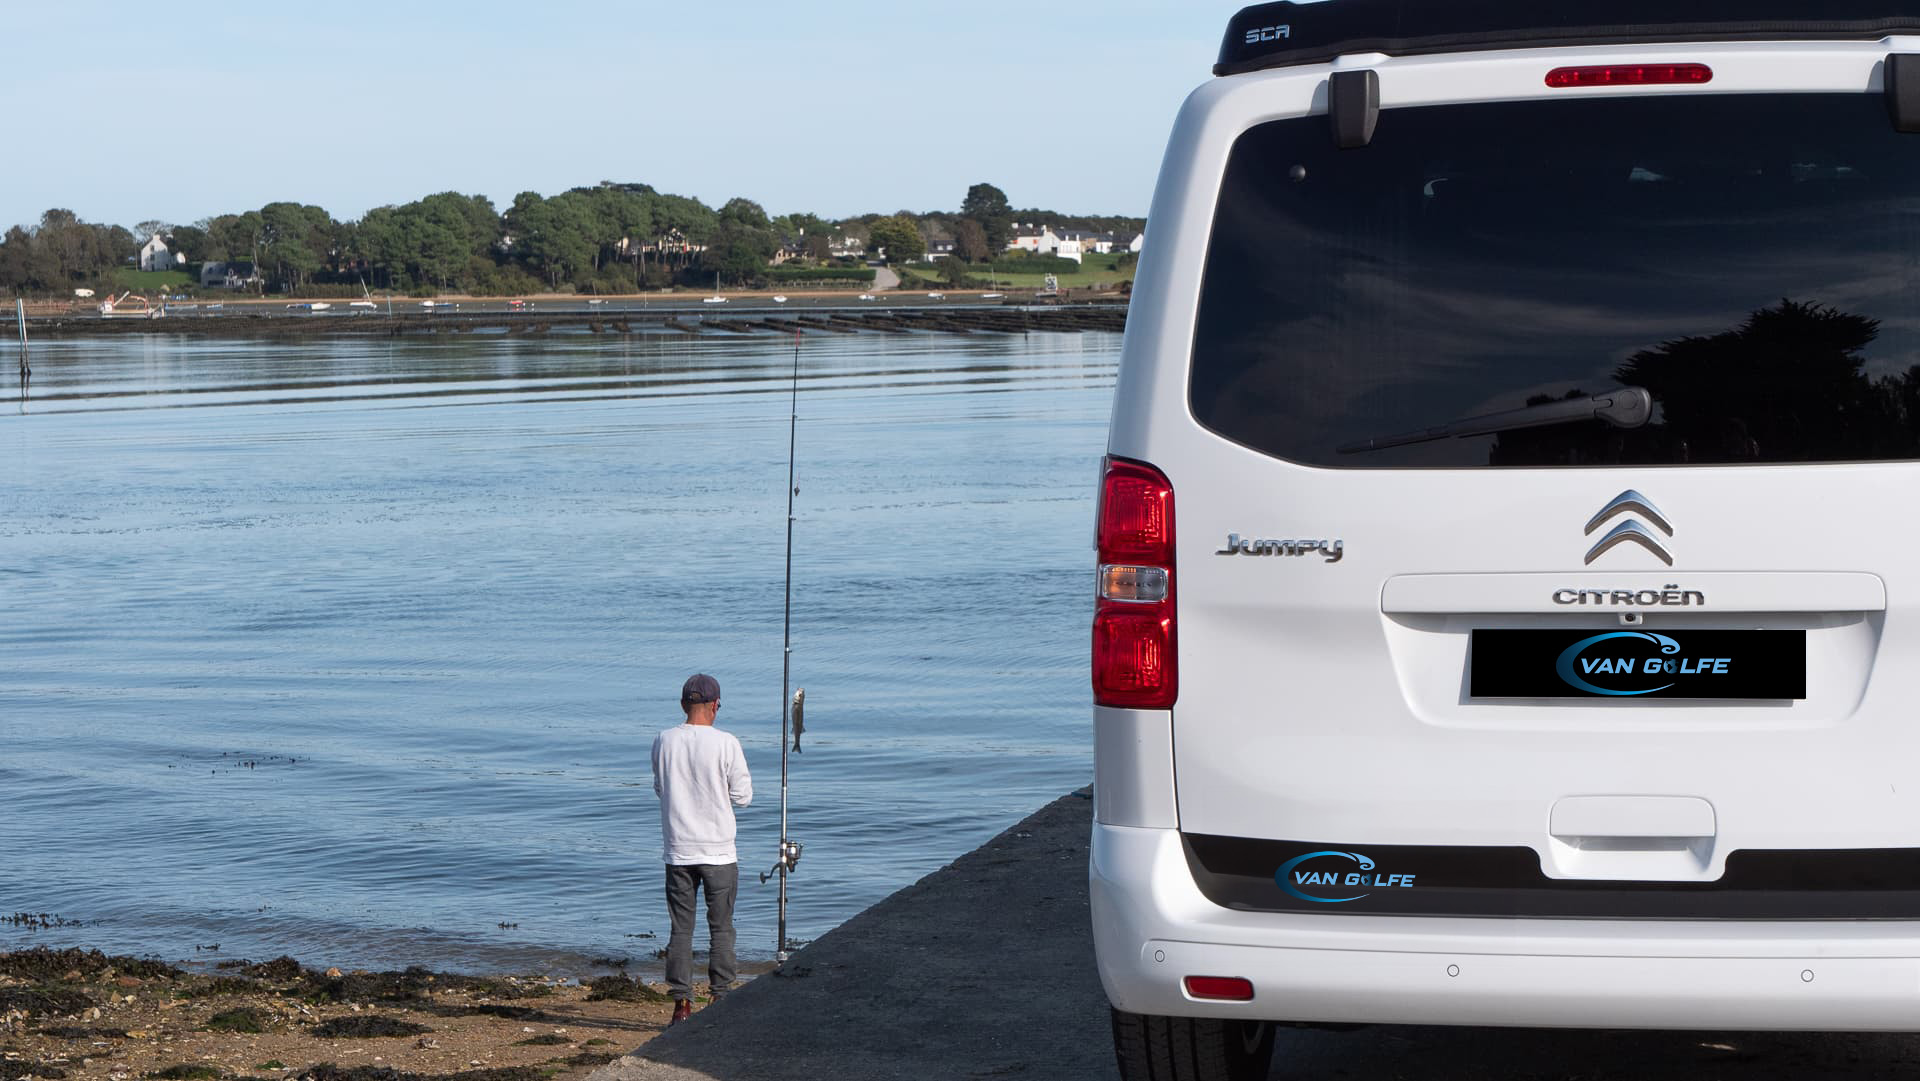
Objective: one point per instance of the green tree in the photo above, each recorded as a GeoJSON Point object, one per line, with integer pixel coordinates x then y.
{"type": "Point", "coordinates": [740, 253]}
{"type": "Point", "coordinates": [235, 237]}
{"type": "Point", "coordinates": [987, 205]}
{"type": "Point", "coordinates": [553, 237]}
{"type": "Point", "coordinates": [743, 243]}
{"type": "Point", "coordinates": [802, 224]}
{"type": "Point", "coordinates": [744, 212]}
{"type": "Point", "coordinates": [296, 241]}
{"type": "Point", "coordinates": [192, 242]}
{"type": "Point", "coordinates": [970, 241]}
{"type": "Point", "coordinates": [899, 236]}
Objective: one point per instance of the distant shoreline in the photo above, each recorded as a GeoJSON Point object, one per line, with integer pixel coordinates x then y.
{"type": "Point", "coordinates": [685, 314]}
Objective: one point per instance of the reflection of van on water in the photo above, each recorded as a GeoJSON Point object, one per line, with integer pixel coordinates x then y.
{"type": "Point", "coordinates": [1505, 564]}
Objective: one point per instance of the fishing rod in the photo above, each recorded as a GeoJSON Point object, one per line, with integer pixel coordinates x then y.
{"type": "Point", "coordinates": [790, 709]}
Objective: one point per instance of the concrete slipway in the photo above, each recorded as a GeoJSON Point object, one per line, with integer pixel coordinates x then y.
{"type": "Point", "coordinates": [984, 969]}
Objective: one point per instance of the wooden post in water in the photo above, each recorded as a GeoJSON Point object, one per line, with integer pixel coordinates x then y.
{"type": "Point", "coordinates": [20, 315]}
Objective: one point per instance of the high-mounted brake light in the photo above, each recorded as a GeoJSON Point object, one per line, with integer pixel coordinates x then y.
{"type": "Point", "coordinates": [1629, 75]}
{"type": "Point", "coordinates": [1134, 663]}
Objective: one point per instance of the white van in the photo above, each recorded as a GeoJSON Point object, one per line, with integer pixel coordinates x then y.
{"type": "Point", "coordinates": [1511, 499]}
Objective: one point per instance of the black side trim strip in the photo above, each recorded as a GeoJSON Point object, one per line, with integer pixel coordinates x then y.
{"type": "Point", "coordinates": [1507, 882]}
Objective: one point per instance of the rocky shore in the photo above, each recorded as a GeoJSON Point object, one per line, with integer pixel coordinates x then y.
{"type": "Point", "coordinates": [80, 1015]}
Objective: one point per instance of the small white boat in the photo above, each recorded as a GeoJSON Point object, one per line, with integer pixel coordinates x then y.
{"type": "Point", "coordinates": [936, 296]}
{"type": "Point", "coordinates": [866, 296]}
{"type": "Point", "coordinates": [128, 305]}
{"type": "Point", "coordinates": [714, 300]}
{"type": "Point", "coordinates": [364, 305]}
{"type": "Point", "coordinates": [991, 296]}
{"type": "Point", "coordinates": [319, 306]}
{"type": "Point", "coordinates": [779, 299]}
{"type": "Point", "coordinates": [596, 302]}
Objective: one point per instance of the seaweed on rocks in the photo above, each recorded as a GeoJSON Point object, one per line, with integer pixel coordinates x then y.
{"type": "Point", "coordinates": [411, 985]}
{"type": "Point", "coordinates": [545, 1039]}
{"type": "Point", "coordinates": [244, 1019]}
{"type": "Point", "coordinates": [40, 921]}
{"type": "Point", "coordinates": [219, 985]}
{"type": "Point", "coordinates": [41, 965]}
{"type": "Point", "coordinates": [186, 1071]}
{"type": "Point", "coordinates": [281, 969]}
{"type": "Point", "coordinates": [43, 1000]}
{"type": "Point", "coordinates": [327, 1071]}
{"type": "Point", "coordinates": [622, 989]}
{"type": "Point", "coordinates": [13, 1070]}
{"type": "Point", "coordinates": [491, 1009]}
{"type": "Point", "coordinates": [84, 1032]}
{"type": "Point", "coordinates": [367, 1025]}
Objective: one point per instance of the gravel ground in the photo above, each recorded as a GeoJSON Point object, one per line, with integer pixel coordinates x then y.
{"type": "Point", "coordinates": [984, 969]}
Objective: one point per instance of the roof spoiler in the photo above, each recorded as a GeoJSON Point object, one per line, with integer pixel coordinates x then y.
{"type": "Point", "coordinates": [1285, 33]}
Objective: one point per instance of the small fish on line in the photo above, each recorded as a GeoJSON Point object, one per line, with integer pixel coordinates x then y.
{"type": "Point", "coordinates": [799, 724]}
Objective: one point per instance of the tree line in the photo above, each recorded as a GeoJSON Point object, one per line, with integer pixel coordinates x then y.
{"type": "Point", "coordinates": [608, 238]}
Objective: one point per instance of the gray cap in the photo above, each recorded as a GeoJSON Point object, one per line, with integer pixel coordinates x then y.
{"type": "Point", "coordinates": [700, 688]}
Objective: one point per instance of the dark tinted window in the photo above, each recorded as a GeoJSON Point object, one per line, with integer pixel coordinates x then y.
{"type": "Point", "coordinates": [1752, 261]}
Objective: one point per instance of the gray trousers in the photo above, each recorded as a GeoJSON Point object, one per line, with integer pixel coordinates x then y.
{"type": "Point", "coordinates": [721, 881]}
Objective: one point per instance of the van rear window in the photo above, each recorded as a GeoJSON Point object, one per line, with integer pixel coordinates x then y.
{"type": "Point", "coordinates": [1530, 272]}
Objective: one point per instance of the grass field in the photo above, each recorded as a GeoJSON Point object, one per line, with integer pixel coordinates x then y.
{"type": "Point", "coordinates": [156, 280]}
{"type": "Point", "coordinates": [1094, 270]}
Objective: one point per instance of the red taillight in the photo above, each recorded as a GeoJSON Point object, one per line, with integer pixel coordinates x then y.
{"type": "Point", "coordinates": [1629, 75]}
{"type": "Point", "coordinates": [1134, 663]}
{"type": "Point", "coordinates": [1228, 988]}
{"type": "Point", "coordinates": [1136, 515]}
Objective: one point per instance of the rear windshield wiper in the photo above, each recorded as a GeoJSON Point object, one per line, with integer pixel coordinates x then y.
{"type": "Point", "coordinates": [1628, 407]}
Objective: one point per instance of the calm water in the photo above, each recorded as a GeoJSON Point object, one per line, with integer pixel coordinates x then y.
{"type": "Point", "coordinates": [355, 650]}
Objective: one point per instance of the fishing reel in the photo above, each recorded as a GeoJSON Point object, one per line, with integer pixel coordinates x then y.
{"type": "Point", "coordinates": [789, 859]}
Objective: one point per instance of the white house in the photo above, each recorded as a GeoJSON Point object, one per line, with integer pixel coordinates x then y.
{"type": "Point", "coordinates": [1097, 243]}
{"type": "Point", "coordinates": [154, 255]}
{"type": "Point", "coordinates": [1069, 249]}
{"type": "Point", "coordinates": [1038, 239]}
{"type": "Point", "coordinates": [228, 275]}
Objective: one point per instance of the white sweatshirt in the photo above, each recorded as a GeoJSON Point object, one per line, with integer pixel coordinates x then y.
{"type": "Point", "coordinates": [700, 775]}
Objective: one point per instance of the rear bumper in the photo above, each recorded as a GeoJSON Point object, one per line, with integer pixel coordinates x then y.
{"type": "Point", "coordinates": [1152, 926]}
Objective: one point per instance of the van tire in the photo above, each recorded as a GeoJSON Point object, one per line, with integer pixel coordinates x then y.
{"type": "Point", "coordinates": [1151, 1048]}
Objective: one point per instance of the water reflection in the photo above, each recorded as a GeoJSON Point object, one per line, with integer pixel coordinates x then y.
{"type": "Point", "coordinates": [1789, 384]}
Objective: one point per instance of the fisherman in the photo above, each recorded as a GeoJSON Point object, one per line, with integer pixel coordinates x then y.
{"type": "Point", "coordinates": [700, 774]}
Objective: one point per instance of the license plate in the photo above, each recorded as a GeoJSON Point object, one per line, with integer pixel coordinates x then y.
{"type": "Point", "coordinates": [1621, 664]}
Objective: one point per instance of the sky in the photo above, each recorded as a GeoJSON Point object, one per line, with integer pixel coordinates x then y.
{"type": "Point", "coordinates": [126, 112]}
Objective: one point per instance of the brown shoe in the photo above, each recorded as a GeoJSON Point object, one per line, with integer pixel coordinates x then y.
{"type": "Point", "coordinates": [682, 1009]}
